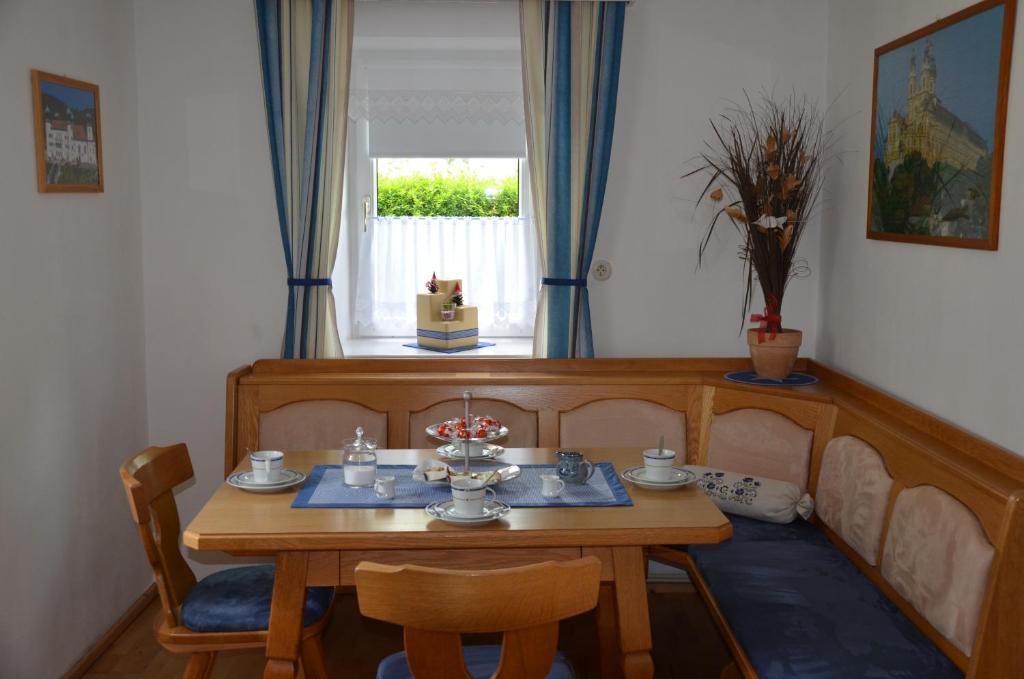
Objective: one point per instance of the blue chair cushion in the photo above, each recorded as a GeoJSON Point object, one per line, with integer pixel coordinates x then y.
{"type": "Point", "coordinates": [481, 661]}
{"type": "Point", "coordinates": [238, 600]}
{"type": "Point", "coordinates": [801, 609]}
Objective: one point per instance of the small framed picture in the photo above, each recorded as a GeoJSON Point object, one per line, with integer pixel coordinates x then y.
{"type": "Point", "coordinates": [69, 151]}
{"type": "Point", "coordinates": [939, 121]}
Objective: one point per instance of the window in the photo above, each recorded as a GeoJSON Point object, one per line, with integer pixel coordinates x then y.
{"type": "Point", "coordinates": [456, 217]}
{"type": "Point", "coordinates": [435, 179]}
{"type": "Point", "coordinates": [447, 187]}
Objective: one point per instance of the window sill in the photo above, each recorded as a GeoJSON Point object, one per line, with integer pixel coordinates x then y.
{"type": "Point", "coordinates": [391, 347]}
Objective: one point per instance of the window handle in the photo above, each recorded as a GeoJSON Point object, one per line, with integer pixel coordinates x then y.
{"type": "Point", "coordinates": [366, 211]}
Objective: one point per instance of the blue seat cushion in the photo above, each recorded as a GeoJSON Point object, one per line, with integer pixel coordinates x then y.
{"type": "Point", "coordinates": [801, 609]}
{"type": "Point", "coordinates": [745, 529]}
{"type": "Point", "coordinates": [238, 600]}
{"type": "Point", "coordinates": [481, 662]}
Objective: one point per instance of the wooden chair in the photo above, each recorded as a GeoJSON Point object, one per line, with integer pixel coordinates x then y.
{"type": "Point", "coordinates": [436, 606]}
{"type": "Point", "coordinates": [227, 610]}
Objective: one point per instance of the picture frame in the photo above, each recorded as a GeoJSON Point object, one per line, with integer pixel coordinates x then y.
{"type": "Point", "coordinates": [938, 130]}
{"type": "Point", "coordinates": [69, 147]}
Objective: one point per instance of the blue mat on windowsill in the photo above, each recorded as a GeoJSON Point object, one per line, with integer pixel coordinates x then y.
{"type": "Point", "coordinates": [455, 350]}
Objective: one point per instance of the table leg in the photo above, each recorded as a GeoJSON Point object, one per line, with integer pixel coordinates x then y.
{"type": "Point", "coordinates": [608, 632]}
{"type": "Point", "coordinates": [286, 609]}
{"type": "Point", "coordinates": [632, 613]}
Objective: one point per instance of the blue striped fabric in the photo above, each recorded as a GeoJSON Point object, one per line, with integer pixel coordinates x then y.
{"type": "Point", "coordinates": [571, 56]}
{"type": "Point", "coordinates": [456, 334]}
{"type": "Point", "coordinates": [305, 55]}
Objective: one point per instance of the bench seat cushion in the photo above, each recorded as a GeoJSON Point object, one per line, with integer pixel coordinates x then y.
{"type": "Point", "coordinates": [752, 530]}
{"type": "Point", "coordinates": [238, 600]}
{"type": "Point", "coordinates": [801, 609]}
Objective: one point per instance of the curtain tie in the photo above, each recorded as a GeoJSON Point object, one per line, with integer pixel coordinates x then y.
{"type": "Point", "coordinates": [309, 282]}
{"type": "Point", "coordinates": [573, 282]}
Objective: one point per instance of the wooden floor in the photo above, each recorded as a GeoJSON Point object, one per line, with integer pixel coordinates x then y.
{"type": "Point", "coordinates": [686, 644]}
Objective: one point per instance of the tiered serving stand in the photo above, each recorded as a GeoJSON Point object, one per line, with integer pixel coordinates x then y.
{"type": "Point", "coordinates": [466, 444]}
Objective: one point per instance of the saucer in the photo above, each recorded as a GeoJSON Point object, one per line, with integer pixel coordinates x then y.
{"type": "Point", "coordinates": [453, 452]}
{"type": "Point", "coordinates": [493, 509]}
{"type": "Point", "coordinates": [680, 478]}
{"type": "Point", "coordinates": [244, 480]}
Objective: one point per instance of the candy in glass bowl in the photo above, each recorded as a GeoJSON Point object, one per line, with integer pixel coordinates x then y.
{"type": "Point", "coordinates": [479, 428]}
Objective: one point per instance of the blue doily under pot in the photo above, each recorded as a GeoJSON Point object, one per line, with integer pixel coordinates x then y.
{"type": "Point", "coordinates": [792, 380]}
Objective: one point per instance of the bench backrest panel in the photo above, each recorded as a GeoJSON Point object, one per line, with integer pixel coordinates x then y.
{"type": "Point", "coordinates": [314, 425]}
{"type": "Point", "coordinates": [623, 422]}
{"type": "Point", "coordinates": [938, 558]}
{"type": "Point", "coordinates": [761, 442]}
{"type": "Point", "coordinates": [853, 494]}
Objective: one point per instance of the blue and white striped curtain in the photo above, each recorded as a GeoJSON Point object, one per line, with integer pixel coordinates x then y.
{"type": "Point", "coordinates": [305, 55]}
{"type": "Point", "coordinates": [571, 54]}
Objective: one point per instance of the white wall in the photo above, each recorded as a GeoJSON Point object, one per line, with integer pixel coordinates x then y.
{"type": "Point", "coordinates": [72, 381]}
{"type": "Point", "coordinates": [214, 268]}
{"type": "Point", "coordinates": [940, 327]}
{"type": "Point", "coordinates": [683, 63]}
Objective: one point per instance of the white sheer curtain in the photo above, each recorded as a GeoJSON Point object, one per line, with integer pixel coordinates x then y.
{"type": "Point", "coordinates": [496, 258]}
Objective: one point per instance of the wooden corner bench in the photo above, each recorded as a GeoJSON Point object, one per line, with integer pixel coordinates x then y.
{"type": "Point", "coordinates": [842, 431]}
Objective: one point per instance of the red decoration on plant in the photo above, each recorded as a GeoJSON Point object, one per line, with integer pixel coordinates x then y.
{"type": "Point", "coordinates": [770, 321]}
{"type": "Point", "coordinates": [432, 284]}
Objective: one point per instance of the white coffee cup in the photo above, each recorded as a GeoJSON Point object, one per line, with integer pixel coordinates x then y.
{"type": "Point", "coordinates": [468, 495]}
{"type": "Point", "coordinates": [266, 465]}
{"type": "Point", "coordinates": [551, 485]}
{"type": "Point", "coordinates": [658, 465]}
{"type": "Point", "coordinates": [384, 487]}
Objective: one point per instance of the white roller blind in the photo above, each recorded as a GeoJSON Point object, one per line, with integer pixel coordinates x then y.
{"type": "Point", "coordinates": [439, 79]}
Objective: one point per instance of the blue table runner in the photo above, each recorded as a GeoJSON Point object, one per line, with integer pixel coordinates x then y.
{"type": "Point", "coordinates": [325, 489]}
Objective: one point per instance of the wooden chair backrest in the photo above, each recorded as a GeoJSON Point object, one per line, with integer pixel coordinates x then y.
{"type": "Point", "coordinates": [149, 480]}
{"type": "Point", "coordinates": [435, 606]}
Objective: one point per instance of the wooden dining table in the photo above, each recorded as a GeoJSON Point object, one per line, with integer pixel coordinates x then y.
{"type": "Point", "coordinates": [321, 547]}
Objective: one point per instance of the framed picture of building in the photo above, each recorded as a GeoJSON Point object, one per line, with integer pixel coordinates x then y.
{"type": "Point", "coordinates": [939, 116]}
{"type": "Point", "coordinates": [69, 151]}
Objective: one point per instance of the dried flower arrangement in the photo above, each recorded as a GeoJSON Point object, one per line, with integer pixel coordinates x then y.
{"type": "Point", "coordinates": [765, 164]}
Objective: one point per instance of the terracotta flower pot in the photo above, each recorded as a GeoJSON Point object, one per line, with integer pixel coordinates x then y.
{"type": "Point", "coordinates": [774, 358]}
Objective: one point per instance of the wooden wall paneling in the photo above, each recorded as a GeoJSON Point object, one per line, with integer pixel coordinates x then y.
{"type": "Point", "coordinates": [716, 366]}
{"type": "Point", "coordinates": [804, 413]}
{"type": "Point", "coordinates": [822, 435]}
{"type": "Point", "coordinates": [997, 651]}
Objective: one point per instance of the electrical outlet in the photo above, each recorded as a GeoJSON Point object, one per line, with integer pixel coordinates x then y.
{"type": "Point", "coordinates": [602, 270]}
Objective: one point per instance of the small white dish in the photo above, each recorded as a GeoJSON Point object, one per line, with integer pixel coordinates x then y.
{"type": "Point", "coordinates": [445, 511]}
{"type": "Point", "coordinates": [454, 452]}
{"type": "Point", "coordinates": [244, 480]}
{"type": "Point", "coordinates": [679, 478]}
